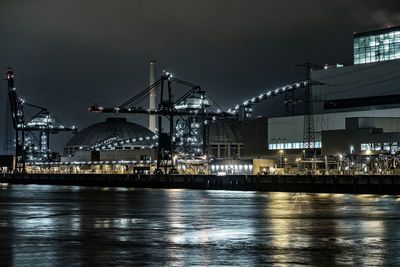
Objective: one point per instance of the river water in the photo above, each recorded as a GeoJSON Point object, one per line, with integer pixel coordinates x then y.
{"type": "Point", "coordinates": [57, 226]}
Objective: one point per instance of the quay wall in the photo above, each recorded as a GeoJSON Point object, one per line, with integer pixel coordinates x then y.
{"type": "Point", "coordinates": [348, 184]}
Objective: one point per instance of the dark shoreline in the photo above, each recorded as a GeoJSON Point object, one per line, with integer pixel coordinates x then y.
{"type": "Point", "coordinates": [343, 184]}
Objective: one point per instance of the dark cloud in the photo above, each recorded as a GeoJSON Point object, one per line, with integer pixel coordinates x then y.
{"type": "Point", "coordinates": [98, 51]}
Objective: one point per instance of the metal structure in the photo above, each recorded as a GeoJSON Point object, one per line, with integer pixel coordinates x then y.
{"type": "Point", "coordinates": [245, 109]}
{"type": "Point", "coordinates": [289, 103]}
{"type": "Point", "coordinates": [43, 123]}
{"type": "Point", "coordinates": [8, 144]}
{"type": "Point", "coordinates": [308, 130]}
{"type": "Point", "coordinates": [113, 142]}
{"type": "Point", "coordinates": [17, 112]}
{"type": "Point", "coordinates": [191, 107]}
{"type": "Point", "coordinates": [152, 98]}
{"type": "Point", "coordinates": [190, 130]}
{"type": "Point", "coordinates": [189, 117]}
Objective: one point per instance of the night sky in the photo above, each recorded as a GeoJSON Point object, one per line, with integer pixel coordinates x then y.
{"type": "Point", "coordinates": [69, 55]}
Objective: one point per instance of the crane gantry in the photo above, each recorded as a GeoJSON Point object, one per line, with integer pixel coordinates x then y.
{"type": "Point", "coordinates": [192, 106]}
{"type": "Point", "coordinates": [43, 122]}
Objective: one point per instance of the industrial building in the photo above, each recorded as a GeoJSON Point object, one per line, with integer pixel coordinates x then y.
{"type": "Point", "coordinates": [368, 89]}
{"type": "Point", "coordinates": [348, 112]}
{"type": "Point", "coordinates": [226, 139]}
{"type": "Point", "coordinates": [355, 111]}
{"type": "Point", "coordinates": [135, 150]}
{"type": "Point", "coordinates": [111, 130]}
{"type": "Point", "coordinates": [364, 136]}
{"type": "Point", "coordinates": [376, 46]}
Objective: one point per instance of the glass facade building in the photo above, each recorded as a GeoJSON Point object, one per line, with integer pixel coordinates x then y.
{"type": "Point", "coordinates": [376, 46]}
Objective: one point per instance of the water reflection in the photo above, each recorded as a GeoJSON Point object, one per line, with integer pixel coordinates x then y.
{"type": "Point", "coordinates": [50, 225]}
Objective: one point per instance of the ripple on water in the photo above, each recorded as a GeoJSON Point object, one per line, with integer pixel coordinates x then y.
{"type": "Point", "coordinates": [53, 225]}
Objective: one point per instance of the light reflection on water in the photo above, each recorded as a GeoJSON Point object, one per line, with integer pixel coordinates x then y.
{"type": "Point", "coordinates": [53, 225]}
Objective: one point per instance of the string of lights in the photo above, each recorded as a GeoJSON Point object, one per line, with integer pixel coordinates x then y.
{"type": "Point", "coordinates": [246, 105]}
{"type": "Point", "coordinates": [112, 143]}
{"type": "Point", "coordinates": [57, 163]}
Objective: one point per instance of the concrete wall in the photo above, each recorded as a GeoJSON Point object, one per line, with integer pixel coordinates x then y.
{"type": "Point", "coordinates": [340, 141]}
{"type": "Point", "coordinates": [290, 129]}
{"type": "Point", "coordinates": [365, 80]}
{"type": "Point", "coordinates": [363, 184]}
{"type": "Point", "coordinates": [388, 125]}
{"type": "Point", "coordinates": [255, 137]}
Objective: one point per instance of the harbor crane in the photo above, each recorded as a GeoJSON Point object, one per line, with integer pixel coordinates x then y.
{"type": "Point", "coordinates": [43, 123]}
{"type": "Point", "coordinates": [191, 107]}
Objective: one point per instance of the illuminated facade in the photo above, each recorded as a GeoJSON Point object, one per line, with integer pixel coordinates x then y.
{"type": "Point", "coordinates": [295, 145]}
{"type": "Point", "coordinates": [376, 46]}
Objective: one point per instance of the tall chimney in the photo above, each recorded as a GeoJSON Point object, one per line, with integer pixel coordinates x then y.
{"type": "Point", "coordinates": [152, 100]}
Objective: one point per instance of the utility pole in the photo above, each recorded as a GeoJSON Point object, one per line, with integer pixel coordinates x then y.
{"type": "Point", "coordinates": [308, 131]}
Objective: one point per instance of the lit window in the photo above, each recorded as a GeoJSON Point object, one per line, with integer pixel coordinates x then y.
{"type": "Point", "coordinates": [376, 48]}
{"type": "Point", "coordinates": [365, 147]}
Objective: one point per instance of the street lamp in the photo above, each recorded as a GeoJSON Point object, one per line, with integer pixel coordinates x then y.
{"type": "Point", "coordinates": [284, 166]}
{"type": "Point", "coordinates": [298, 164]}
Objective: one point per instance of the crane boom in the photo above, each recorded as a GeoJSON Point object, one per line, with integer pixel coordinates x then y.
{"type": "Point", "coordinates": [43, 122]}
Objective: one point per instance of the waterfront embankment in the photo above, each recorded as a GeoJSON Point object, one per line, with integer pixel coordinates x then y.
{"type": "Point", "coordinates": [351, 184]}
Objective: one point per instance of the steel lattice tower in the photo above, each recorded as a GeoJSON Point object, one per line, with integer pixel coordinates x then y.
{"type": "Point", "coordinates": [289, 103]}
{"type": "Point", "coordinates": [308, 131]}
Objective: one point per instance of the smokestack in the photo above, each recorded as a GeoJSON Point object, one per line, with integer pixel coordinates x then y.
{"type": "Point", "coordinates": [152, 99]}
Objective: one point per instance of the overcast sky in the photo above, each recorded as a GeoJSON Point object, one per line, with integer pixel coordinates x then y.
{"type": "Point", "coordinates": [98, 51]}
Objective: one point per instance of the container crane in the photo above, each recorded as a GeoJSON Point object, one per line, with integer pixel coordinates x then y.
{"type": "Point", "coordinates": [43, 122]}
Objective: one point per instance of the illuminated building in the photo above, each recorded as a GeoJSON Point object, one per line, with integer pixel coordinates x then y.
{"type": "Point", "coordinates": [113, 130]}
{"type": "Point", "coordinates": [377, 46]}
{"type": "Point", "coordinates": [366, 92]}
